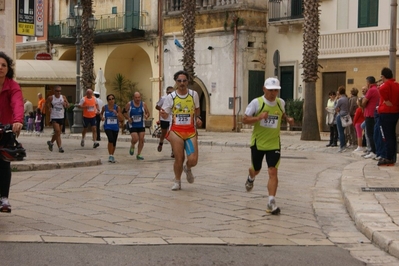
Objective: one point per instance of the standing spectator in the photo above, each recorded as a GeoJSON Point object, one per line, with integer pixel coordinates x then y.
{"type": "Point", "coordinates": [31, 120]}
{"type": "Point", "coordinates": [136, 114]}
{"type": "Point", "coordinates": [389, 113]}
{"type": "Point", "coordinates": [266, 113]}
{"type": "Point", "coordinates": [42, 105]}
{"type": "Point", "coordinates": [28, 107]}
{"type": "Point", "coordinates": [56, 105]}
{"type": "Point", "coordinates": [350, 130]}
{"type": "Point", "coordinates": [369, 103]}
{"type": "Point", "coordinates": [165, 123]}
{"type": "Point", "coordinates": [38, 120]}
{"type": "Point", "coordinates": [90, 110]}
{"type": "Point", "coordinates": [183, 105]}
{"type": "Point", "coordinates": [342, 109]}
{"type": "Point", "coordinates": [358, 119]}
{"type": "Point", "coordinates": [111, 115]}
{"type": "Point", "coordinates": [11, 112]}
{"type": "Point", "coordinates": [331, 119]}
{"type": "Point", "coordinates": [98, 116]}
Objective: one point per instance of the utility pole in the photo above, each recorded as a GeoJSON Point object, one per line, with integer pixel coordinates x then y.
{"type": "Point", "coordinates": [392, 46]}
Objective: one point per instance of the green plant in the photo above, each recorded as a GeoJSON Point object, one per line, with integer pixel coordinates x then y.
{"type": "Point", "coordinates": [70, 108]}
{"type": "Point", "coordinates": [294, 109]}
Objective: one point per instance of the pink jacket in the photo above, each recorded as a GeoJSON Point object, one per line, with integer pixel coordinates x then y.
{"type": "Point", "coordinates": [11, 103]}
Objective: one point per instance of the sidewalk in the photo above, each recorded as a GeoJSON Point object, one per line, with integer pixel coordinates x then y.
{"type": "Point", "coordinates": [375, 213]}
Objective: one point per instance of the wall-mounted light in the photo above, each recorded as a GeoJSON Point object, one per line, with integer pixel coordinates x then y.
{"type": "Point", "coordinates": [300, 89]}
{"type": "Point", "coordinates": [166, 50]}
{"type": "Point", "coordinates": [210, 48]}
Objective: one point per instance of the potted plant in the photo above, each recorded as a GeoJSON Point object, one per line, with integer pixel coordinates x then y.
{"type": "Point", "coordinates": [69, 114]}
{"type": "Point", "coordinates": [294, 109]}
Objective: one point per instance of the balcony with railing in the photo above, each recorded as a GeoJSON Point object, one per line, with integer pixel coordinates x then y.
{"type": "Point", "coordinates": [177, 5]}
{"type": "Point", "coordinates": [349, 43]}
{"type": "Point", "coordinates": [110, 27]}
{"type": "Point", "coordinates": [286, 15]}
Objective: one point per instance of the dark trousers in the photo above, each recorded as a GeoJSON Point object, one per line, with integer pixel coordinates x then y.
{"type": "Point", "coordinates": [388, 124]}
{"type": "Point", "coordinates": [42, 122]}
{"type": "Point", "coordinates": [370, 132]}
{"type": "Point", "coordinates": [333, 134]}
{"type": "Point", "coordinates": [379, 144]}
{"type": "Point", "coordinates": [5, 178]}
{"type": "Point", "coordinates": [98, 121]}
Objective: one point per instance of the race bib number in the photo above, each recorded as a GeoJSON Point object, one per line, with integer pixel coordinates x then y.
{"type": "Point", "coordinates": [112, 121]}
{"type": "Point", "coordinates": [58, 109]}
{"type": "Point", "coordinates": [136, 118]}
{"type": "Point", "coordinates": [183, 119]}
{"type": "Point", "coordinates": [270, 122]}
{"type": "Point", "coordinates": [90, 108]}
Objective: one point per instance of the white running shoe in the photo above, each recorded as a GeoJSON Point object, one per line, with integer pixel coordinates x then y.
{"type": "Point", "coordinates": [272, 208]}
{"type": "Point", "coordinates": [189, 175]}
{"type": "Point", "coordinates": [359, 149]}
{"type": "Point", "coordinates": [371, 155]}
{"type": "Point", "coordinates": [176, 185]}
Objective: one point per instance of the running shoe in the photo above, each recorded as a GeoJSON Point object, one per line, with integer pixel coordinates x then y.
{"type": "Point", "coordinates": [82, 143]}
{"type": "Point", "coordinates": [5, 205]}
{"type": "Point", "coordinates": [50, 145]}
{"type": "Point", "coordinates": [343, 149]}
{"type": "Point", "coordinates": [61, 150]}
{"type": "Point", "coordinates": [358, 149]}
{"type": "Point", "coordinates": [110, 159]}
{"type": "Point", "coordinates": [95, 145]}
{"type": "Point", "coordinates": [272, 208]}
{"type": "Point", "coordinates": [160, 146]}
{"type": "Point", "coordinates": [189, 174]}
{"type": "Point", "coordinates": [176, 185]}
{"type": "Point", "coordinates": [371, 155]}
{"type": "Point", "coordinates": [139, 157]}
{"type": "Point", "coordinates": [131, 151]}
{"type": "Point", "coordinates": [249, 184]}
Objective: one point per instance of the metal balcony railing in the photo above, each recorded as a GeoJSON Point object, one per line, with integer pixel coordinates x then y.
{"type": "Point", "coordinates": [177, 5]}
{"type": "Point", "coordinates": [280, 10]}
{"type": "Point", "coordinates": [122, 22]}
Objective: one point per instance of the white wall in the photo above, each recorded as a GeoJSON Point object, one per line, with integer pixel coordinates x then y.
{"type": "Point", "coordinates": [7, 29]}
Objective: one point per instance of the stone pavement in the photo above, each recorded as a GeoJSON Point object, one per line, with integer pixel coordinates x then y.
{"type": "Point", "coordinates": [130, 202]}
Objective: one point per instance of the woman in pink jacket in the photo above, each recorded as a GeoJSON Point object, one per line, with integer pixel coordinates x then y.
{"type": "Point", "coordinates": [11, 112]}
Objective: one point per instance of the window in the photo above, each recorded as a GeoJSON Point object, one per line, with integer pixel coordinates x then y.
{"type": "Point", "coordinates": [368, 13]}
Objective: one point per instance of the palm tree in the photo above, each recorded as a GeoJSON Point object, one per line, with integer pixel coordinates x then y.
{"type": "Point", "coordinates": [310, 125]}
{"type": "Point", "coordinates": [88, 78]}
{"type": "Point", "coordinates": [188, 17]}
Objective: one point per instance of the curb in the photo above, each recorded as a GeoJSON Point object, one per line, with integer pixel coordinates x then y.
{"type": "Point", "coordinates": [369, 216]}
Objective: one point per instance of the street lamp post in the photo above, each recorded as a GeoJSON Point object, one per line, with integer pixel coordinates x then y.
{"type": "Point", "coordinates": [75, 22]}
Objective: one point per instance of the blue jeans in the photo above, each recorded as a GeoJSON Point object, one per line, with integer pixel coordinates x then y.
{"type": "Point", "coordinates": [388, 124]}
{"type": "Point", "coordinates": [341, 133]}
{"type": "Point", "coordinates": [379, 144]}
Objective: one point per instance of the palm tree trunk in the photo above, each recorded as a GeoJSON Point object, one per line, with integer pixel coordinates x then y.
{"type": "Point", "coordinates": [310, 125]}
{"type": "Point", "coordinates": [188, 17]}
{"type": "Point", "coordinates": [88, 78]}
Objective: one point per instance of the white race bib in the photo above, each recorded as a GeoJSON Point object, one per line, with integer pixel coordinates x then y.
{"type": "Point", "coordinates": [270, 122]}
{"type": "Point", "coordinates": [136, 118]}
{"type": "Point", "coordinates": [90, 108]}
{"type": "Point", "coordinates": [183, 119]}
{"type": "Point", "coordinates": [112, 121]}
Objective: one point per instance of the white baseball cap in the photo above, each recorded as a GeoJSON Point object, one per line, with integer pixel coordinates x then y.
{"type": "Point", "coordinates": [96, 93]}
{"type": "Point", "coordinates": [272, 84]}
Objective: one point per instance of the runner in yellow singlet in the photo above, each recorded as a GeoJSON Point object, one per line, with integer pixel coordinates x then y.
{"type": "Point", "coordinates": [266, 113]}
{"type": "Point", "coordinates": [183, 104]}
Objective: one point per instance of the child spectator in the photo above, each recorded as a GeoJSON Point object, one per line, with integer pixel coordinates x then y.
{"type": "Point", "coordinates": [30, 122]}
{"type": "Point", "coordinates": [38, 120]}
{"type": "Point", "coordinates": [357, 122]}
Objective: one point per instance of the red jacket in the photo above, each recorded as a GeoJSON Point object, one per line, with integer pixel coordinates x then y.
{"type": "Point", "coordinates": [389, 91]}
{"type": "Point", "coordinates": [11, 103]}
{"type": "Point", "coordinates": [359, 117]}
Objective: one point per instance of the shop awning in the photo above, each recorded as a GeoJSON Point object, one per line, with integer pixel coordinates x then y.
{"type": "Point", "coordinates": [45, 72]}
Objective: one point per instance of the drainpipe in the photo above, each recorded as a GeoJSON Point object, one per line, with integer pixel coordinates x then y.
{"type": "Point", "coordinates": [392, 48]}
{"type": "Point", "coordinates": [235, 75]}
{"type": "Point", "coordinates": [160, 30]}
